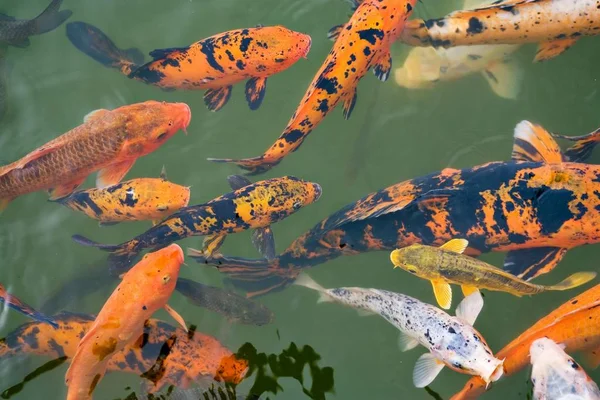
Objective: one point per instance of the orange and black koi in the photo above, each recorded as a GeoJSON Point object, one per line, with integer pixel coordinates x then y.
{"type": "Point", "coordinates": [249, 206]}
{"type": "Point", "coordinates": [163, 354]}
{"type": "Point", "coordinates": [25, 309]}
{"type": "Point", "coordinates": [555, 24]}
{"type": "Point", "coordinates": [214, 64]}
{"type": "Point", "coordinates": [361, 44]}
{"type": "Point", "coordinates": [536, 207]}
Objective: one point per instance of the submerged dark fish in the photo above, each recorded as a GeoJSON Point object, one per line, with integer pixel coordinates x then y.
{"type": "Point", "coordinates": [234, 307]}
{"type": "Point", "coordinates": [16, 32]}
{"type": "Point", "coordinates": [3, 82]}
{"type": "Point", "coordinates": [17, 305]}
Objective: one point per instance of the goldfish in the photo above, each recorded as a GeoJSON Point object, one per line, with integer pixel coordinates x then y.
{"type": "Point", "coordinates": [554, 24]}
{"type": "Point", "coordinates": [363, 43]}
{"type": "Point", "coordinates": [213, 64]}
{"type": "Point", "coordinates": [16, 32]}
{"type": "Point", "coordinates": [235, 308]}
{"type": "Point", "coordinates": [536, 207]}
{"type": "Point", "coordinates": [448, 339]}
{"type": "Point", "coordinates": [446, 264]}
{"type": "Point", "coordinates": [425, 67]}
{"type": "Point", "coordinates": [108, 142]}
{"type": "Point", "coordinates": [574, 324]}
{"type": "Point", "coordinates": [555, 375]}
{"type": "Point", "coordinates": [144, 289]}
{"type": "Point", "coordinates": [248, 206]}
{"type": "Point", "coordinates": [140, 199]}
{"type": "Point", "coordinates": [190, 357]}
{"type": "Point", "coordinates": [25, 309]}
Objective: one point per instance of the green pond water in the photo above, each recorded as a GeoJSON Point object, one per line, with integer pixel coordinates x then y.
{"type": "Point", "coordinates": [394, 134]}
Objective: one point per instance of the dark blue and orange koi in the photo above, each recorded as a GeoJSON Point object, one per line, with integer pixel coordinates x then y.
{"type": "Point", "coordinates": [214, 64]}
{"type": "Point", "coordinates": [535, 207]}
{"type": "Point", "coordinates": [249, 206]}
{"type": "Point", "coordinates": [25, 309]}
{"type": "Point", "coordinates": [361, 44]}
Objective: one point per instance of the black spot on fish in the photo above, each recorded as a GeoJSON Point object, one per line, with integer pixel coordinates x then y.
{"type": "Point", "coordinates": [208, 49]}
{"type": "Point", "coordinates": [371, 35]}
{"type": "Point", "coordinates": [30, 339]}
{"type": "Point", "coordinates": [475, 26]}
{"type": "Point", "coordinates": [129, 200]}
{"type": "Point", "coordinates": [244, 44]}
{"type": "Point", "coordinates": [83, 199]}
{"type": "Point", "coordinates": [60, 351]}
{"type": "Point", "coordinates": [553, 209]}
{"type": "Point", "coordinates": [327, 84]}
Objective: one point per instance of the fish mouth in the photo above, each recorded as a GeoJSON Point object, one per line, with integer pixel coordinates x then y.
{"type": "Point", "coordinates": [308, 46]}
{"type": "Point", "coordinates": [496, 373]}
{"type": "Point", "coordinates": [318, 191]}
{"type": "Point", "coordinates": [186, 116]}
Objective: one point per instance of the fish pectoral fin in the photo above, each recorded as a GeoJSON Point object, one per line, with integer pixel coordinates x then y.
{"type": "Point", "coordinates": [175, 315]}
{"type": "Point", "coordinates": [443, 293]}
{"type": "Point", "coordinates": [211, 244]}
{"type": "Point", "coordinates": [534, 143]}
{"type": "Point", "coordinates": [163, 173]}
{"type": "Point", "coordinates": [64, 190]}
{"type": "Point", "coordinates": [215, 99]}
{"type": "Point", "coordinates": [530, 263]}
{"type": "Point", "coordinates": [383, 66]}
{"type": "Point", "coordinates": [95, 114]}
{"type": "Point", "coordinates": [334, 32]}
{"type": "Point", "coordinates": [255, 92]}
{"type": "Point", "coordinates": [20, 43]}
{"type": "Point", "coordinates": [426, 370]}
{"type": "Point", "coordinates": [469, 308]}
{"type": "Point", "coordinates": [104, 224]}
{"type": "Point", "coordinates": [4, 203]}
{"type": "Point", "coordinates": [455, 245]}
{"type": "Point", "coordinates": [550, 49]}
{"type": "Point", "coordinates": [349, 103]}
{"type": "Point", "coordinates": [406, 342]}
{"type": "Point", "coordinates": [113, 174]}
{"type": "Point", "coordinates": [505, 78]}
{"type": "Point", "coordinates": [155, 222]}
{"type": "Point", "coordinates": [468, 290]}
{"type": "Point", "coordinates": [238, 181]}
{"type": "Point", "coordinates": [264, 242]}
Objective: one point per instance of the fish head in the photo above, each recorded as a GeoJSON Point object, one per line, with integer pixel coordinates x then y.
{"type": "Point", "coordinates": [412, 259]}
{"type": "Point", "coordinates": [232, 369]}
{"type": "Point", "coordinates": [151, 124]}
{"type": "Point", "coordinates": [159, 271]}
{"type": "Point", "coordinates": [282, 45]}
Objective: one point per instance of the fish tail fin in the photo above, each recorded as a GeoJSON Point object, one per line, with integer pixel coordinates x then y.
{"type": "Point", "coordinates": [135, 55]}
{"type": "Point", "coordinates": [577, 279]}
{"type": "Point", "coordinates": [308, 282]}
{"type": "Point", "coordinates": [51, 18]}
{"type": "Point", "coordinates": [256, 277]}
{"type": "Point", "coordinates": [121, 254]}
{"type": "Point", "coordinates": [254, 166]}
{"type": "Point", "coordinates": [583, 147]}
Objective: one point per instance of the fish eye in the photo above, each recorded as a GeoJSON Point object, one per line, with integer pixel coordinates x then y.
{"type": "Point", "coordinates": [297, 205]}
{"type": "Point", "coordinates": [411, 269]}
{"type": "Point", "coordinates": [573, 364]}
{"type": "Point", "coordinates": [161, 136]}
{"type": "Point", "coordinates": [458, 365]}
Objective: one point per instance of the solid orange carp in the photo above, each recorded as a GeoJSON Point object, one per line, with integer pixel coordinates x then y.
{"type": "Point", "coordinates": [142, 199]}
{"type": "Point", "coordinates": [144, 289]}
{"type": "Point", "coordinates": [555, 24]}
{"type": "Point", "coordinates": [190, 357]}
{"type": "Point", "coordinates": [108, 142]}
{"type": "Point", "coordinates": [574, 324]}
{"type": "Point", "coordinates": [213, 64]}
{"type": "Point", "coordinates": [363, 43]}
{"type": "Point", "coordinates": [535, 207]}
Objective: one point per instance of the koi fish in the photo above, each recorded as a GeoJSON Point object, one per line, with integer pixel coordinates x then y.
{"type": "Point", "coordinates": [213, 64]}
{"type": "Point", "coordinates": [554, 24]}
{"type": "Point", "coordinates": [145, 288]}
{"type": "Point", "coordinates": [557, 376]}
{"type": "Point", "coordinates": [249, 206]}
{"type": "Point", "coordinates": [141, 199]}
{"type": "Point", "coordinates": [235, 308]}
{"type": "Point", "coordinates": [448, 339]}
{"type": "Point", "coordinates": [25, 309]}
{"type": "Point", "coordinates": [16, 32]}
{"type": "Point", "coordinates": [535, 207]}
{"type": "Point", "coordinates": [425, 67]}
{"type": "Point", "coordinates": [572, 324]}
{"type": "Point", "coordinates": [190, 357]}
{"type": "Point", "coordinates": [108, 141]}
{"type": "Point", "coordinates": [363, 43]}
{"type": "Point", "coordinates": [446, 264]}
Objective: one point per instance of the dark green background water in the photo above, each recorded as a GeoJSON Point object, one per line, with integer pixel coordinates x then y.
{"type": "Point", "coordinates": [394, 134]}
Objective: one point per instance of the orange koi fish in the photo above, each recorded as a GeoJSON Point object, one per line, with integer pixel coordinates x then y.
{"type": "Point", "coordinates": [142, 199]}
{"type": "Point", "coordinates": [555, 24]}
{"type": "Point", "coordinates": [214, 64]}
{"type": "Point", "coordinates": [189, 357]}
{"type": "Point", "coordinates": [574, 324]}
{"type": "Point", "coordinates": [144, 289]}
{"type": "Point", "coordinates": [16, 304]}
{"type": "Point", "coordinates": [361, 44]}
{"type": "Point", "coordinates": [108, 141]}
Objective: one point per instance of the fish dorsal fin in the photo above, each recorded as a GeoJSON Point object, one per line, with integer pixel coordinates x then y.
{"type": "Point", "coordinates": [35, 155]}
{"type": "Point", "coordinates": [94, 114]}
{"type": "Point", "coordinates": [163, 173]}
{"type": "Point", "coordinates": [162, 53]}
{"type": "Point", "coordinates": [534, 143]}
{"type": "Point", "coordinates": [470, 307]}
{"type": "Point", "coordinates": [455, 245]}
{"type": "Point", "coordinates": [238, 181]}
